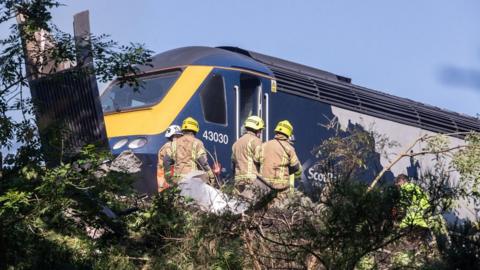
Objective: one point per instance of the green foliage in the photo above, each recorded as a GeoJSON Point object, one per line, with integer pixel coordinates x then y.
{"type": "Point", "coordinates": [463, 250]}
{"type": "Point", "coordinates": [178, 236]}
{"type": "Point", "coordinates": [12, 203]}
{"type": "Point", "coordinates": [52, 209]}
{"type": "Point", "coordinates": [348, 224]}
{"type": "Point", "coordinates": [54, 217]}
{"type": "Point", "coordinates": [344, 155]}
{"type": "Point", "coordinates": [467, 162]}
{"type": "Point", "coordinates": [37, 11]}
{"type": "Point", "coordinates": [367, 262]}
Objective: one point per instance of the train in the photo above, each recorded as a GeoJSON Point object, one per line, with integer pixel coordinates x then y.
{"type": "Point", "coordinates": [221, 86]}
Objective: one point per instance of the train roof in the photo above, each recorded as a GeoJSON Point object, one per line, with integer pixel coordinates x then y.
{"type": "Point", "coordinates": [308, 82]}
{"type": "Point", "coordinates": [198, 55]}
{"type": "Point", "coordinates": [320, 85]}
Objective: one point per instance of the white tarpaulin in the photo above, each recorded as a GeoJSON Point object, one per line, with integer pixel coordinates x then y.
{"type": "Point", "coordinates": [207, 197]}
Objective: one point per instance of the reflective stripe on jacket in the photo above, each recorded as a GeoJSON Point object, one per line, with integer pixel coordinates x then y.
{"type": "Point", "coordinates": [186, 151]}
{"type": "Point", "coordinates": [277, 157]}
{"type": "Point", "coordinates": [245, 157]}
{"type": "Point", "coordinates": [165, 151]}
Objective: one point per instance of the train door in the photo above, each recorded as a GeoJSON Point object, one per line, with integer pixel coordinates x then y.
{"type": "Point", "coordinates": [225, 111]}
{"type": "Point", "coordinates": [249, 101]}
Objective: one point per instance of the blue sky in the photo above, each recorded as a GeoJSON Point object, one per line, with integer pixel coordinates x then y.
{"type": "Point", "coordinates": [428, 51]}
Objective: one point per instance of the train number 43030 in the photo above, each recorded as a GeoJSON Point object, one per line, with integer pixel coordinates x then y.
{"type": "Point", "coordinates": [215, 136]}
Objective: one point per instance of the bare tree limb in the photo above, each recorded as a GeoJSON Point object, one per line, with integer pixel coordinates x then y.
{"type": "Point", "coordinates": [407, 153]}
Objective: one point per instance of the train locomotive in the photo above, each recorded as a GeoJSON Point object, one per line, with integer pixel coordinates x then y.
{"type": "Point", "coordinates": [220, 87]}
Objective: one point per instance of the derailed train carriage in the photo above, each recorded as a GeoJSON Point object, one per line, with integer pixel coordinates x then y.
{"type": "Point", "coordinates": [221, 87]}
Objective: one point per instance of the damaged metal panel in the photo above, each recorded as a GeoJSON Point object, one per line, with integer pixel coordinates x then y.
{"type": "Point", "coordinates": [67, 103]}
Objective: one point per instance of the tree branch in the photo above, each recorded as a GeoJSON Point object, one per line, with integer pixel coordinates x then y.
{"type": "Point", "coordinates": [407, 153]}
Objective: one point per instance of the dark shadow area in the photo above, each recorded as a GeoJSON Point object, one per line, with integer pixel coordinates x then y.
{"type": "Point", "coordinates": [365, 173]}
{"type": "Point", "coordinates": [414, 168]}
{"type": "Point", "coordinates": [373, 165]}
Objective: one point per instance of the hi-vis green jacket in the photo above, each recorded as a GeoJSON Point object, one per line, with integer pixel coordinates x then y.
{"type": "Point", "coordinates": [416, 205]}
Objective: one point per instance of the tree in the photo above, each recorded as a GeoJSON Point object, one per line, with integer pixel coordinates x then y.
{"type": "Point", "coordinates": [48, 213]}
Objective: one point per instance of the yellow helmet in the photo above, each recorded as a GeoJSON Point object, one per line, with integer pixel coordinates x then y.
{"type": "Point", "coordinates": [284, 127]}
{"type": "Point", "coordinates": [190, 124]}
{"type": "Point", "coordinates": [254, 122]}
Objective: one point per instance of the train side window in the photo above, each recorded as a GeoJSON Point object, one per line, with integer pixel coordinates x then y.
{"type": "Point", "coordinates": [213, 100]}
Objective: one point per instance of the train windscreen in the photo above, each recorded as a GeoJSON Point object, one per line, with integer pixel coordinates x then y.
{"type": "Point", "coordinates": [150, 91]}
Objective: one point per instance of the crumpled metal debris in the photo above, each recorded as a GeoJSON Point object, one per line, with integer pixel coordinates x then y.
{"type": "Point", "coordinates": [126, 162]}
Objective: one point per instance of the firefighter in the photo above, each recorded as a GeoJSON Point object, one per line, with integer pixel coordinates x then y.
{"type": "Point", "coordinates": [164, 167]}
{"type": "Point", "coordinates": [278, 159]}
{"type": "Point", "coordinates": [188, 152]}
{"type": "Point", "coordinates": [416, 217]}
{"type": "Point", "coordinates": [414, 204]}
{"type": "Point", "coordinates": [245, 156]}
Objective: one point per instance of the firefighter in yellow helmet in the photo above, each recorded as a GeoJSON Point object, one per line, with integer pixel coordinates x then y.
{"type": "Point", "coordinates": [245, 155]}
{"type": "Point", "coordinates": [278, 159]}
{"type": "Point", "coordinates": [188, 152]}
{"type": "Point", "coordinates": [163, 166]}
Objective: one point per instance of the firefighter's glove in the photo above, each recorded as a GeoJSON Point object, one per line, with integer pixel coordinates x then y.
{"type": "Point", "coordinates": [211, 178]}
